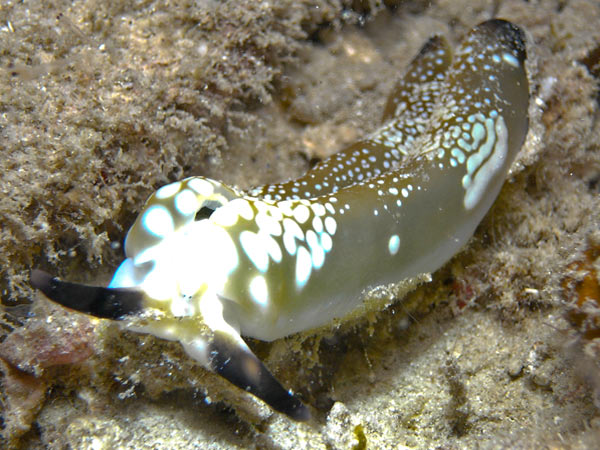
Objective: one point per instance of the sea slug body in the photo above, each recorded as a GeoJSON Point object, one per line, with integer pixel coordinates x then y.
{"type": "Point", "coordinates": [207, 264]}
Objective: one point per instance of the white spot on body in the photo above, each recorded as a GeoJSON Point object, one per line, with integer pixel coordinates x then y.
{"type": "Point", "coordinates": [268, 224]}
{"type": "Point", "coordinates": [318, 209]}
{"type": "Point", "coordinates": [330, 225]}
{"type": "Point", "coordinates": [394, 244]}
{"type": "Point", "coordinates": [272, 247]}
{"type": "Point", "coordinates": [291, 232]}
{"type": "Point", "coordinates": [243, 208]}
{"type": "Point", "coordinates": [286, 207]}
{"type": "Point", "coordinates": [459, 155]}
{"type": "Point", "coordinates": [303, 266]}
{"type": "Point", "coordinates": [317, 224]}
{"type": "Point", "coordinates": [157, 220]}
{"type": "Point", "coordinates": [510, 60]}
{"type": "Point", "coordinates": [317, 252]}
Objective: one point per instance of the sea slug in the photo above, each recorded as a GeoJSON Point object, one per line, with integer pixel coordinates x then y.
{"type": "Point", "coordinates": [207, 263]}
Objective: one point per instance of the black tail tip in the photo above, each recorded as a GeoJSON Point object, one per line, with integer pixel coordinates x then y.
{"type": "Point", "coordinates": [242, 368]}
{"type": "Point", "coordinates": [107, 303]}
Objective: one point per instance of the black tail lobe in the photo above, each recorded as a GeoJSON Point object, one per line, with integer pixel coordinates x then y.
{"type": "Point", "coordinates": [242, 368]}
{"type": "Point", "coordinates": [107, 303]}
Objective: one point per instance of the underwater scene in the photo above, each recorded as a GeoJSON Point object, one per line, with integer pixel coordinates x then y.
{"type": "Point", "coordinates": [300, 224]}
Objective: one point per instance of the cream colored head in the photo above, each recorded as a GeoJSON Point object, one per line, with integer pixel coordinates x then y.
{"type": "Point", "coordinates": [173, 249]}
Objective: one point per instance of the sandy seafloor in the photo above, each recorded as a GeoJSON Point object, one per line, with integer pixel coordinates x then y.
{"type": "Point", "coordinates": [100, 105]}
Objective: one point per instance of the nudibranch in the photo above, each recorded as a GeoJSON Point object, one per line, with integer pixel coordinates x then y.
{"type": "Point", "coordinates": [207, 263]}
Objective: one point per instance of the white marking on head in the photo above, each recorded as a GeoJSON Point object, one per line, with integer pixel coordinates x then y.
{"type": "Point", "coordinates": [159, 284]}
{"type": "Point", "coordinates": [243, 208]}
{"type": "Point", "coordinates": [201, 186]}
{"type": "Point", "coordinates": [301, 213]}
{"type": "Point", "coordinates": [285, 207]}
{"type": "Point", "coordinates": [145, 255]}
{"type": "Point", "coordinates": [168, 191]}
{"type": "Point", "coordinates": [268, 224]}
{"type": "Point", "coordinates": [191, 274]}
{"type": "Point", "coordinates": [186, 202]}
{"type": "Point", "coordinates": [215, 242]}
{"type": "Point", "coordinates": [158, 221]}
{"type": "Point", "coordinates": [177, 271]}
{"type": "Point", "coordinates": [259, 290]}
{"type": "Point", "coordinates": [274, 211]}
{"type": "Point", "coordinates": [255, 250]}
{"type": "Point", "coordinates": [226, 215]}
